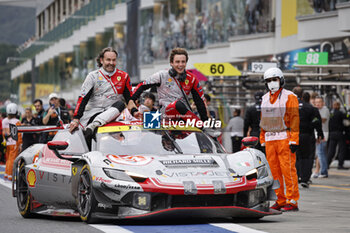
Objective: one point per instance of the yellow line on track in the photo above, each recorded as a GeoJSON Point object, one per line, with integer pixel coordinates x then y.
{"type": "Point", "coordinates": [329, 187]}
{"type": "Point", "coordinates": [339, 173]}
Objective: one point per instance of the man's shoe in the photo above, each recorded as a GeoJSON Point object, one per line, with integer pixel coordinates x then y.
{"type": "Point", "coordinates": [276, 206]}
{"type": "Point", "coordinates": [289, 208]}
{"type": "Point", "coordinates": [304, 184]}
{"type": "Point", "coordinates": [342, 168]}
{"type": "Point", "coordinates": [323, 176]}
{"type": "Point", "coordinates": [314, 175]}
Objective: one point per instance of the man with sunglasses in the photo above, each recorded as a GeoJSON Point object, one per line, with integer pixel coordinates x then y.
{"type": "Point", "coordinates": [280, 135]}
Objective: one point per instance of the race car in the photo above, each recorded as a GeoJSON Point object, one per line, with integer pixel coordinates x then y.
{"type": "Point", "coordinates": [135, 172]}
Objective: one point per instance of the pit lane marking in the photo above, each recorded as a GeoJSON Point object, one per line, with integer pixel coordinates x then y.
{"type": "Point", "coordinates": [7, 184]}
{"type": "Point", "coordinates": [339, 173]}
{"type": "Point", "coordinates": [330, 187]}
{"type": "Point", "coordinates": [110, 228]}
{"type": "Point", "coordinates": [213, 228]}
{"type": "Point", "coordinates": [236, 228]}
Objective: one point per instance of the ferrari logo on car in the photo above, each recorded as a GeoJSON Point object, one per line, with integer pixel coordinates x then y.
{"type": "Point", "coordinates": [74, 170]}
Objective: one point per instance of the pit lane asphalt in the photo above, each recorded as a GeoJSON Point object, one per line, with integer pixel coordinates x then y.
{"type": "Point", "coordinates": [324, 207]}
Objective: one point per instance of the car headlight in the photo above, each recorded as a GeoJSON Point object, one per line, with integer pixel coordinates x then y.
{"type": "Point", "coordinates": [252, 174]}
{"type": "Point", "coordinates": [262, 172]}
{"type": "Point", "coordinates": [117, 174]}
{"type": "Point", "coordinates": [136, 176]}
{"type": "Point", "coordinates": [124, 175]}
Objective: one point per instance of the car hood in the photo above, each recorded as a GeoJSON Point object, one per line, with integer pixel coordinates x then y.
{"type": "Point", "coordinates": [200, 168]}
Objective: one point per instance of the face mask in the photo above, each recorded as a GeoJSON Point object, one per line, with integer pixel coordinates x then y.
{"type": "Point", "coordinates": [273, 86]}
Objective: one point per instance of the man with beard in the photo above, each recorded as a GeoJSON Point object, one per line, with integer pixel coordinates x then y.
{"type": "Point", "coordinates": [103, 95]}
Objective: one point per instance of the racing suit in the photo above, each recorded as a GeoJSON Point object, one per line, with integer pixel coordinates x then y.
{"type": "Point", "coordinates": [12, 147]}
{"type": "Point", "coordinates": [170, 96]}
{"type": "Point", "coordinates": [101, 96]}
{"type": "Point", "coordinates": [279, 129]}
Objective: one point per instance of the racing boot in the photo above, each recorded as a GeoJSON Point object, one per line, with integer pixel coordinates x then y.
{"type": "Point", "coordinates": [289, 208]}
{"type": "Point", "coordinates": [90, 131]}
{"type": "Point", "coordinates": [276, 206]}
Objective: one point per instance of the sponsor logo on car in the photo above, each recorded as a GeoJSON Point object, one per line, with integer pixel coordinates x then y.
{"type": "Point", "coordinates": [31, 178]}
{"type": "Point", "coordinates": [200, 162]}
{"type": "Point", "coordinates": [101, 179]}
{"type": "Point", "coordinates": [128, 186]}
{"type": "Point", "coordinates": [129, 159]}
{"type": "Point", "coordinates": [197, 174]}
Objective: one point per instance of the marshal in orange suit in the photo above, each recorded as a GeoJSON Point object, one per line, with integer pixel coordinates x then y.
{"type": "Point", "coordinates": [280, 136]}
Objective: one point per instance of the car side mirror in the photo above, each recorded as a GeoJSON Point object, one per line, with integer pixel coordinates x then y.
{"type": "Point", "coordinates": [250, 141]}
{"type": "Point", "coordinates": [57, 145]}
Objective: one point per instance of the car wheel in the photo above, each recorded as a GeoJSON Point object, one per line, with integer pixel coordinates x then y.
{"type": "Point", "coordinates": [24, 197]}
{"type": "Point", "coordinates": [86, 199]}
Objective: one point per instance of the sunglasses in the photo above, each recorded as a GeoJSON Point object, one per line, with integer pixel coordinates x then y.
{"type": "Point", "coordinates": [274, 79]}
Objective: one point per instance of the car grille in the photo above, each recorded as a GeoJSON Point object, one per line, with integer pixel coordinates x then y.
{"type": "Point", "coordinates": [160, 201]}
{"type": "Point", "coordinates": [202, 200]}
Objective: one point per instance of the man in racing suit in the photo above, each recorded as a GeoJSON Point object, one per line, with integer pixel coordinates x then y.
{"type": "Point", "coordinates": [102, 95]}
{"type": "Point", "coordinates": [280, 135]}
{"type": "Point", "coordinates": [173, 87]}
{"type": "Point", "coordinates": [12, 147]}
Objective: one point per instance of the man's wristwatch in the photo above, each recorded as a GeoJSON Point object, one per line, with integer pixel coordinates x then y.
{"type": "Point", "coordinates": [133, 110]}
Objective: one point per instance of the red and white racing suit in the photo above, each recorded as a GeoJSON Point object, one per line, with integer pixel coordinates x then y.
{"type": "Point", "coordinates": [102, 96]}
{"type": "Point", "coordinates": [12, 146]}
{"type": "Point", "coordinates": [170, 96]}
{"type": "Point", "coordinates": [279, 129]}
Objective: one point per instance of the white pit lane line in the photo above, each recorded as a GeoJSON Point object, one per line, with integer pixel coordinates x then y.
{"type": "Point", "coordinates": [236, 228]}
{"type": "Point", "coordinates": [110, 228]}
{"type": "Point", "coordinates": [212, 228]}
{"type": "Point", "coordinates": [7, 184]}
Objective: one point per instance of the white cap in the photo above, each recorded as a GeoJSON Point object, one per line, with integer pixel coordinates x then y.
{"type": "Point", "coordinates": [53, 95]}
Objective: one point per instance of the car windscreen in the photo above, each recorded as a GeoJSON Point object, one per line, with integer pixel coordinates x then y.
{"type": "Point", "coordinates": [154, 142]}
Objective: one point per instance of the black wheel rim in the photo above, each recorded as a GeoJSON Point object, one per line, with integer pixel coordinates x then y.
{"type": "Point", "coordinates": [84, 193]}
{"type": "Point", "coordinates": [22, 190]}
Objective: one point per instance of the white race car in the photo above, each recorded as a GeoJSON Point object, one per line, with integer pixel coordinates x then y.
{"type": "Point", "coordinates": [132, 172]}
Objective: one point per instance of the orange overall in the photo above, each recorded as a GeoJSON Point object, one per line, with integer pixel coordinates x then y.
{"type": "Point", "coordinates": [279, 129]}
{"type": "Point", "coordinates": [12, 147]}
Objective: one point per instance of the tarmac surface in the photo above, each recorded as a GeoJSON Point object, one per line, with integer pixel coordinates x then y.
{"type": "Point", "coordinates": [324, 207]}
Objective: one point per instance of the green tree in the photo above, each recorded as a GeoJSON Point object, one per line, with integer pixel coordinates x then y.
{"type": "Point", "coordinates": [5, 70]}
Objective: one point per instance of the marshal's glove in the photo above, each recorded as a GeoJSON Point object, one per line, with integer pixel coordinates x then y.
{"type": "Point", "coordinates": [293, 148]}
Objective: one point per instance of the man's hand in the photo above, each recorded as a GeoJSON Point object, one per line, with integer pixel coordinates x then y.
{"type": "Point", "coordinates": [293, 148]}
{"type": "Point", "coordinates": [138, 115]}
{"type": "Point", "coordinates": [73, 125]}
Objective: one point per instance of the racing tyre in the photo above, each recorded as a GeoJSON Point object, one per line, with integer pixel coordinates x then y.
{"type": "Point", "coordinates": [24, 198]}
{"type": "Point", "coordinates": [86, 200]}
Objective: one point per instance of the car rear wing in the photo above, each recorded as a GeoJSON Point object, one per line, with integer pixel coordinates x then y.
{"type": "Point", "coordinates": [14, 130]}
